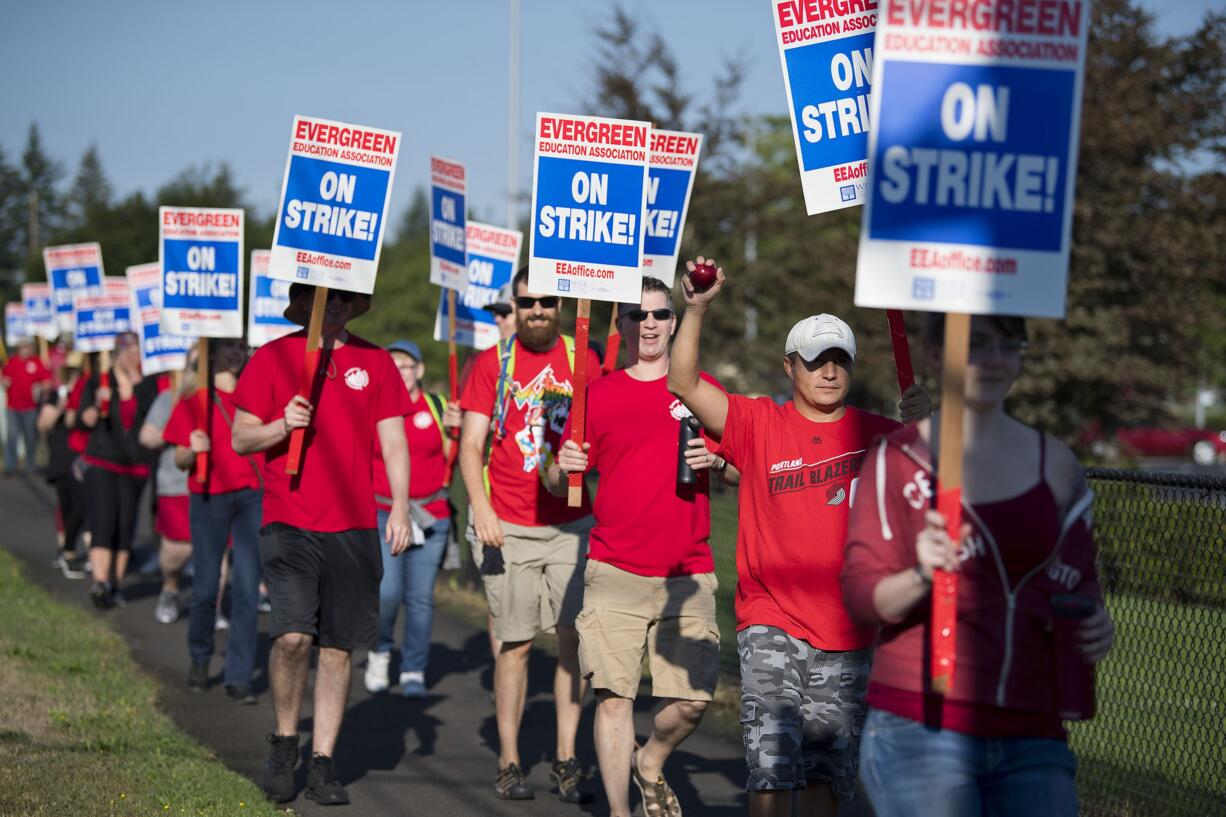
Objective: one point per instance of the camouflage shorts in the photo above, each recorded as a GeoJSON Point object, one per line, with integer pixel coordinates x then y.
{"type": "Point", "coordinates": [802, 711]}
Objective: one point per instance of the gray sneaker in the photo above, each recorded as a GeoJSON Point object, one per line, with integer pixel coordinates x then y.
{"type": "Point", "coordinates": [167, 609]}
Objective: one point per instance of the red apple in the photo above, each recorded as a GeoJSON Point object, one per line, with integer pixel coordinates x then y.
{"type": "Point", "coordinates": [702, 277]}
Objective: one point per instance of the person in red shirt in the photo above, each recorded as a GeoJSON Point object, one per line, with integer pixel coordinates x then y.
{"type": "Point", "coordinates": [535, 545]}
{"type": "Point", "coordinates": [804, 662]}
{"type": "Point", "coordinates": [994, 743]}
{"type": "Point", "coordinates": [223, 508]}
{"type": "Point", "coordinates": [118, 465]}
{"type": "Point", "coordinates": [56, 416]}
{"type": "Point", "coordinates": [320, 550]}
{"type": "Point", "coordinates": [650, 580]}
{"type": "Point", "coordinates": [24, 377]}
{"type": "Point", "coordinates": [409, 579]}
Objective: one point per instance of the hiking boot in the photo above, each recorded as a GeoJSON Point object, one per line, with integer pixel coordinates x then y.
{"type": "Point", "coordinates": [510, 784]}
{"type": "Point", "coordinates": [376, 671]}
{"type": "Point", "coordinates": [659, 799]}
{"type": "Point", "coordinates": [167, 609]}
{"type": "Point", "coordinates": [101, 595]}
{"type": "Point", "coordinates": [241, 694]}
{"type": "Point", "coordinates": [71, 566]}
{"type": "Point", "coordinates": [413, 685]}
{"type": "Point", "coordinates": [198, 676]}
{"type": "Point", "coordinates": [278, 782]}
{"type": "Point", "coordinates": [323, 786]}
{"type": "Point", "coordinates": [569, 782]}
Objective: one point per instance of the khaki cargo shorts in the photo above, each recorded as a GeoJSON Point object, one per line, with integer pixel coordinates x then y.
{"type": "Point", "coordinates": [672, 620]}
{"type": "Point", "coordinates": [543, 583]}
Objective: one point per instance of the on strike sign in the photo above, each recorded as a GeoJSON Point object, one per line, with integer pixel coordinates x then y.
{"type": "Point", "coordinates": [99, 318]}
{"type": "Point", "coordinates": [72, 270]}
{"type": "Point", "coordinates": [201, 253]}
{"type": "Point", "coordinates": [266, 307]}
{"type": "Point", "coordinates": [976, 112]}
{"type": "Point", "coordinates": [448, 189]}
{"type": "Point", "coordinates": [334, 200]}
{"type": "Point", "coordinates": [493, 256]}
{"type": "Point", "coordinates": [40, 311]}
{"type": "Point", "coordinates": [670, 180]}
{"type": "Point", "coordinates": [15, 327]}
{"type": "Point", "coordinates": [589, 204]}
{"type": "Point", "coordinates": [826, 48]}
{"type": "Point", "coordinates": [159, 352]}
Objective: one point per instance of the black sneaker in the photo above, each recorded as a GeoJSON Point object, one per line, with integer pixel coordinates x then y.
{"type": "Point", "coordinates": [101, 595]}
{"type": "Point", "coordinates": [118, 599]}
{"type": "Point", "coordinates": [569, 782]}
{"type": "Point", "coordinates": [240, 693]}
{"type": "Point", "coordinates": [278, 782]}
{"type": "Point", "coordinates": [198, 676]}
{"type": "Point", "coordinates": [323, 786]}
{"type": "Point", "coordinates": [510, 784]}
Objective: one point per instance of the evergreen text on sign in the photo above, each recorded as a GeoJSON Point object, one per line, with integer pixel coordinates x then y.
{"type": "Point", "coordinates": [826, 48]}
{"type": "Point", "coordinates": [670, 180]}
{"type": "Point", "coordinates": [493, 257]}
{"type": "Point", "coordinates": [589, 205]}
{"type": "Point", "coordinates": [973, 157]}
{"type": "Point", "coordinates": [72, 270]}
{"type": "Point", "coordinates": [159, 352]}
{"type": "Point", "coordinates": [201, 255]}
{"type": "Point", "coordinates": [448, 195]}
{"type": "Point", "coordinates": [334, 201]}
{"type": "Point", "coordinates": [266, 307]}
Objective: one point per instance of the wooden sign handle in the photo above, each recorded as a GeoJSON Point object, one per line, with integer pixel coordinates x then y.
{"type": "Point", "coordinates": [944, 638]}
{"type": "Point", "coordinates": [297, 437]}
{"type": "Point", "coordinates": [202, 395]}
{"type": "Point", "coordinates": [612, 344]}
{"type": "Point", "coordinates": [578, 403]}
{"type": "Point", "coordinates": [902, 349]}
{"type": "Point", "coordinates": [453, 379]}
{"type": "Point", "coordinates": [44, 354]}
{"type": "Point", "coordinates": [104, 380]}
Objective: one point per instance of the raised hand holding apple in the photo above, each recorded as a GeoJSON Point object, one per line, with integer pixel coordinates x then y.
{"type": "Point", "coordinates": [702, 282]}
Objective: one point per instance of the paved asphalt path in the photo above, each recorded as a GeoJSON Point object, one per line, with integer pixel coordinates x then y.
{"type": "Point", "coordinates": [436, 756]}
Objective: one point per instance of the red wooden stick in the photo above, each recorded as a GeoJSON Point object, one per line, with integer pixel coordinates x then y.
{"type": "Point", "coordinates": [945, 599]}
{"type": "Point", "coordinates": [297, 437]}
{"type": "Point", "coordinates": [578, 403]}
{"type": "Point", "coordinates": [104, 380]}
{"type": "Point", "coordinates": [902, 349]}
{"type": "Point", "coordinates": [454, 382]}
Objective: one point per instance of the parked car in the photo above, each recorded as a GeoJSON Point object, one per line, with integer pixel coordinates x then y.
{"type": "Point", "coordinates": [1202, 445]}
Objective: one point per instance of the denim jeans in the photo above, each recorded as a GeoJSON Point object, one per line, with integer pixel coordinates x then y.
{"type": "Point", "coordinates": [409, 579]}
{"type": "Point", "coordinates": [215, 518]}
{"type": "Point", "coordinates": [910, 770]}
{"type": "Point", "coordinates": [21, 425]}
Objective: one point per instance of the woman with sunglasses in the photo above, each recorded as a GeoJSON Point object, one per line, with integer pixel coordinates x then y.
{"type": "Point", "coordinates": [995, 743]}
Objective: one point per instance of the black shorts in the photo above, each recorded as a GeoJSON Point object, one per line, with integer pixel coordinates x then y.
{"type": "Point", "coordinates": [325, 585]}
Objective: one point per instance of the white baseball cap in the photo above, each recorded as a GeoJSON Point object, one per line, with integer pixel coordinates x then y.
{"type": "Point", "coordinates": [817, 333]}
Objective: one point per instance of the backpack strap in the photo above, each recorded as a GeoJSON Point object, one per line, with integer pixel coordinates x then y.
{"type": "Point", "coordinates": [437, 406]}
{"type": "Point", "coordinates": [225, 415]}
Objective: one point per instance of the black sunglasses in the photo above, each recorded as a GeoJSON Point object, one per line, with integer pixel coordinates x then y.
{"type": "Point", "coordinates": [345, 295]}
{"type": "Point", "coordinates": [640, 315]}
{"type": "Point", "coordinates": [527, 301]}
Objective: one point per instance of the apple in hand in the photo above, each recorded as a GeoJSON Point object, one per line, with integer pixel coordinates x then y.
{"type": "Point", "coordinates": [702, 277]}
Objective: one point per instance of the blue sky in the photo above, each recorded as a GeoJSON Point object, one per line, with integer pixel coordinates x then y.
{"type": "Point", "coordinates": [161, 86]}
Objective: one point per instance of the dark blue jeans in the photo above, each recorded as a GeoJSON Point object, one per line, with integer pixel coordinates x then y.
{"type": "Point", "coordinates": [910, 770]}
{"type": "Point", "coordinates": [409, 579]}
{"type": "Point", "coordinates": [215, 518]}
{"type": "Point", "coordinates": [21, 426]}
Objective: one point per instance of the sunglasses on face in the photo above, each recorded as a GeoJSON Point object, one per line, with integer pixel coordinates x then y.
{"type": "Point", "coordinates": [345, 296]}
{"type": "Point", "coordinates": [640, 315]}
{"type": "Point", "coordinates": [527, 301]}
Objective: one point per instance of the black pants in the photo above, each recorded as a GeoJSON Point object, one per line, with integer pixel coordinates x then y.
{"type": "Point", "coordinates": [71, 495]}
{"type": "Point", "coordinates": [113, 500]}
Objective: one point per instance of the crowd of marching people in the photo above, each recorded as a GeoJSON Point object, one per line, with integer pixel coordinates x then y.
{"type": "Point", "coordinates": [837, 544]}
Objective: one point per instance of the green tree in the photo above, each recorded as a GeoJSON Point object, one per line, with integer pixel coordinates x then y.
{"type": "Point", "coordinates": [12, 213]}
{"type": "Point", "coordinates": [91, 191]}
{"type": "Point", "coordinates": [40, 176]}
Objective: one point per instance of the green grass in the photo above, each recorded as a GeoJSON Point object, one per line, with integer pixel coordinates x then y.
{"type": "Point", "coordinates": [80, 733]}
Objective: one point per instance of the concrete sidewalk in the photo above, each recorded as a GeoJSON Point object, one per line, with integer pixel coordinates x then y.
{"type": "Point", "coordinates": [435, 756]}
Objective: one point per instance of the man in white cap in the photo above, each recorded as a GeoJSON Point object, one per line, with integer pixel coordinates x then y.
{"type": "Point", "coordinates": [804, 663]}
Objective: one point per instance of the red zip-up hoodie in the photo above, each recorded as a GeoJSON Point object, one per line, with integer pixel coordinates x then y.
{"type": "Point", "coordinates": [1005, 645]}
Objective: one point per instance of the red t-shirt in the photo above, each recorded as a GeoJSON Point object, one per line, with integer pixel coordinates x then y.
{"type": "Point", "coordinates": [78, 438]}
{"type": "Point", "coordinates": [357, 385]}
{"type": "Point", "coordinates": [23, 373]}
{"type": "Point", "coordinates": [427, 465]}
{"type": "Point", "coordinates": [536, 412]}
{"type": "Point", "coordinates": [646, 523]}
{"type": "Point", "coordinates": [798, 482]}
{"type": "Point", "coordinates": [227, 470]}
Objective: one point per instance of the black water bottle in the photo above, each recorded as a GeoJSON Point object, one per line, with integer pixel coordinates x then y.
{"type": "Point", "coordinates": [690, 429]}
